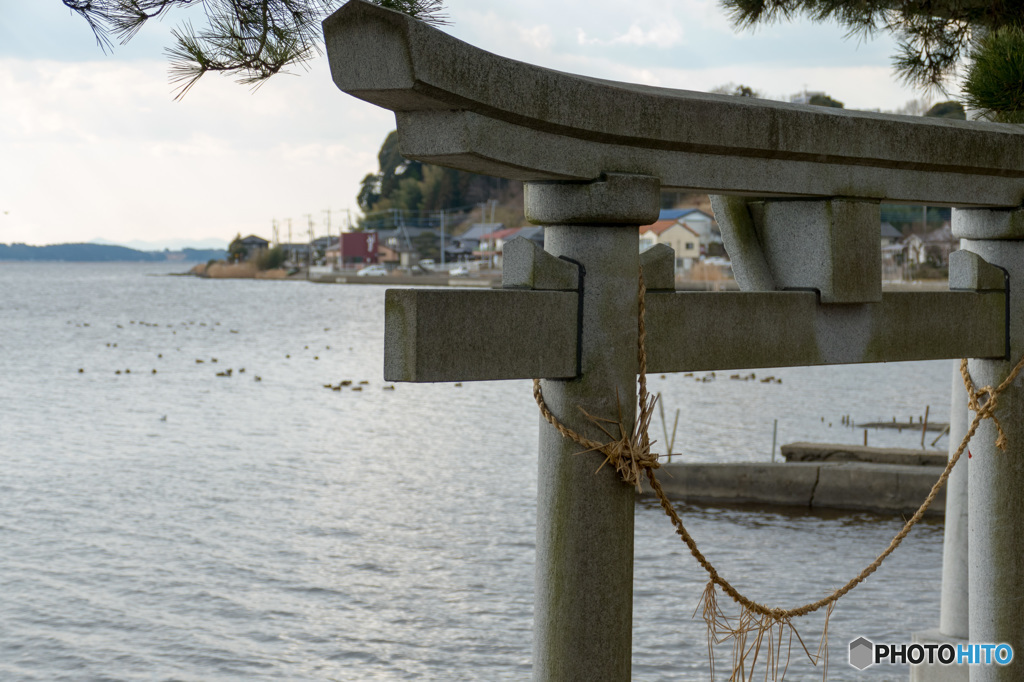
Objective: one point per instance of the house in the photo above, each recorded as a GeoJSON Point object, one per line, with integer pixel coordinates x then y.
{"type": "Point", "coordinates": [914, 248]}
{"type": "Point", "coordinates": [402, 236]}
{"type": "Point", "coordinates": [683, 239]}
{"type": "Point", "coordinates": [710, 238]}
{"type": "Point", "coordinates": [890, 235]}
{"type": "Point", "coordinates": [939, 244]}
{"type": "Point", "coordinates": [358, 248]}
{"type": "Point", "coordinates": [492, 243]}
{"type": "Point", "coordinates": [534, 233]}
{"type": "Point", "coordinates": [470, 239]}
{"type": "Point", "coordinates": [405, 243]}
{"type": "Point", "coordinates": [355, 249]}
{"type": "Point", "coordinates": [295, 254]}
{"type": "Point", "coordinates": [253, 245]}
{"type": "Point", "coordinates": [388, 255]}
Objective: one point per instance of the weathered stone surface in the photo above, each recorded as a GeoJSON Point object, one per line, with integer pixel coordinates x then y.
{"type": "Point", "coordinates": [553, 125]}
{"type": "Point", "coordinates": [988, 224]}
{"type": "Point", "coordinates": [969, 272]}
{"type": "Point", "coordinates": [749, 267]}
{"type": "Point", "coordinates": [954, 618]}
{"type": "Point", "coordinates": [473, 142]}
{"type": "Point", "coordinates": [527, 266]}
{"type": "Point", "coordinates": [790, 328]}
{"type": "Point", "coordinates": [659, 265]}
{"type": "Point", "coordinates": [584, 558]}
{"type": "Point", "coordinates": [830, 246]}
{"type": "Point", "coordinates": [996, 479]}
{"type": "Point", "coordinates": [440, 335]}
{"type": "Point", "coordinates": [614, 199]}
{"type": "Point", "coordinates": [841, 452]}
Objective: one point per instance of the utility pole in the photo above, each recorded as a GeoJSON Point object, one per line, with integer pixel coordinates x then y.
{"type": "Point", "coordinates": [328, 212]}
{"type": "Point", "coordinates": [273, 227]}
{"type": "Point", "coordinates": [442, 239]}
{"type": "Point", "coordinates": [290, 252]}
{"type": "Point", "coordinates": [309, 251]}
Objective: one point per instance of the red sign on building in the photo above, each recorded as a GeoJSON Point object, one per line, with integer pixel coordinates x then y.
{"type": "Point", "coordinates": [358, 247]}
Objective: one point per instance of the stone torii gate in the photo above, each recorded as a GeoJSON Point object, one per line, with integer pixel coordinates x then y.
{"type": "Point", "coordinates": [797, 192]}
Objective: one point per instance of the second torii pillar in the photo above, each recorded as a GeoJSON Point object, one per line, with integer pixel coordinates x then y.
{"type": "Point", "coordinates": [996, 478]}
{"type": "Point", "coordinates": [584, 568]}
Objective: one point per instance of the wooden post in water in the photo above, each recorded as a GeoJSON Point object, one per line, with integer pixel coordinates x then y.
{"type": "Point", "coordinates": [924, 424]}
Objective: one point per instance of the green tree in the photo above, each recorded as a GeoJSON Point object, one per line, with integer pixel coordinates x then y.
{"type": "Point", "coordinates": [413, 186]}
{"type": "Point", "coordinates": [935, 39]}
{"type": "Point", "coordinates": [737, 90]}
{"type": "Point", "coordinates": [427, 245]}
{"type": "Point", "coordinates": [236, 250]}
{"type": "Point", "coordinates": [824, 100]}
{"type": "Point", "coordinates": [252, 40]}
{"type": "Point", "coordinates": [951, 109]}
{"type": "Point", "coordinates": [270, 259]}
{"type": "Point", "coordinates": [995, 82]}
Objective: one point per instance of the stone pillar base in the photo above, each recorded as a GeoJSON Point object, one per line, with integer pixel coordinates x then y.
{"type": "Point", "coordinates": [935, 672]}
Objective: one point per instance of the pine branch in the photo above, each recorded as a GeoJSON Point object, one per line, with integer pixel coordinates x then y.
{"type": "Point", "coordinates": [994, 84]}
{"type": "Point", "coordinates": [934, 37]}
{"type": "Point", "coordinates": [250, 39]}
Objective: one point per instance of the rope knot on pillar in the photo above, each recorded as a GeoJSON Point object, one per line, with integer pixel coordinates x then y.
{"type": "Point", "coordinates": [983, 401]}
{"type": "Point", "coordinates": [628, 452]}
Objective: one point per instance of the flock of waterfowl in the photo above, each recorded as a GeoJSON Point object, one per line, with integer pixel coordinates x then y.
{"type": "Point", "coordinates": [711, 376]}
{"type": "Point", "coordinates": [351, 384]}
{"type": "Point", "coordinates": [227, 372]}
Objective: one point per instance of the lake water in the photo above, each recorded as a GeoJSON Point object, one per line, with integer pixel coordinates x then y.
{"type": "Point", "coordinates": [179, 525]}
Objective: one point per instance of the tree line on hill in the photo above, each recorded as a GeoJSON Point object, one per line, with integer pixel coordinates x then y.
{"type": "Point", "coordinates": [415, 187]}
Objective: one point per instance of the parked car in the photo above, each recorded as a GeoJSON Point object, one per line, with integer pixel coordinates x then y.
{"type": "Point", "coordinates": [376, 270]}
{"type": "Point", "coordinates": [459, 271]}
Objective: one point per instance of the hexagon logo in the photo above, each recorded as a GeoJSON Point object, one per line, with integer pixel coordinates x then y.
{"type": "Point", "coordinates": [862, 653]}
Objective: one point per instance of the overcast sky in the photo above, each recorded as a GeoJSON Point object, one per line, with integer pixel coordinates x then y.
{"type": "Point", "coordinates": [93, 145]}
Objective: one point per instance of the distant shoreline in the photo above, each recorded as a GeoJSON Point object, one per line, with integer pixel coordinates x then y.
{"type": "Point", "coordinates": [102, 253]}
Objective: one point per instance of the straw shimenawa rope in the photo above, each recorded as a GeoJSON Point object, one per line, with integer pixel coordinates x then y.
{"type": "Point", "coordinates": [630, 454]}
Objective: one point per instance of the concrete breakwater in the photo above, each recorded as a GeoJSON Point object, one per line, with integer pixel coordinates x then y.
{"type": "Point", "coordinates": [883, 486]}
{"type": "Point", "coordinates": [840, 452]}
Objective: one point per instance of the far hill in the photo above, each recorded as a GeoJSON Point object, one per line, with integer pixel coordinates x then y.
{"type": "Point", "coordinates": [102, 253]}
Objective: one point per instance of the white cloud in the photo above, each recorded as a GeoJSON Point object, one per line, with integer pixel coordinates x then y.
{"type": "Point", "coordinates": [101, 149]}
{"type": "Point", "coordinates": [664, 35]}
{"type": "Point", "coordinates": [538, 37]}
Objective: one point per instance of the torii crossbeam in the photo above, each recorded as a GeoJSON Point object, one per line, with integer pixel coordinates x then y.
{"type": "Point", "coordinates": [799, 212]}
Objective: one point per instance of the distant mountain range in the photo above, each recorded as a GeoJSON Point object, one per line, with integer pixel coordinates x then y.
{"type": "Point", "coordinates": [94, 253]}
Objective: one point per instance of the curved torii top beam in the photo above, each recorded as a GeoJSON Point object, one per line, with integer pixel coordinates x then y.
{"type": "Point", "coordinates": [460, 106]}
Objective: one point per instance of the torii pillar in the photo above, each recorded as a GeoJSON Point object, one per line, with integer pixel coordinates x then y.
{"type": "Point", "coordinates": [583, 613]}
{"type": "Point", "coordinates": [996, 478]}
